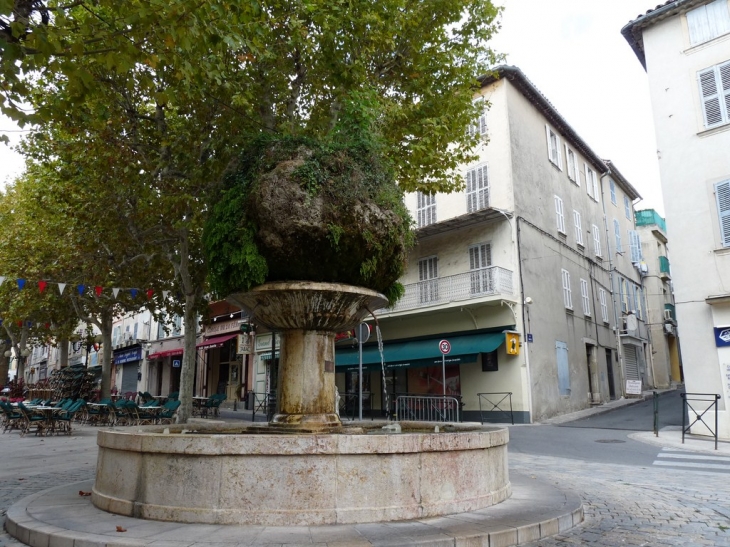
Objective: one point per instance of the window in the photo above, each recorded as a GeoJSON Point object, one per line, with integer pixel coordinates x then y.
{"type": "Point", "coordinates": [637, 302]}
{"type": "Point", "coordinates": [722, 191]}
{"type": "Point", "coordinates": [426, 209]}
{"type": "Point", "coordinates": [135, 331]}
{"type": "Point", "coordinates": [560, 217]}
{"type": "Point", "coordinates": [591, 182]}
{"type": "Point", "coordinates": [428, 286]}
{"type": "Point", "coordinates": [176, 325]}
{"type": "Point", "coordinates": [708, 22]}
{"type": "Point", "coordinates": [561, 349]}
{"type": "Point", "coordinates": [477, 189]}
{"type": "Point", "coordinates": [116, 336]}
{"type": "Point", "coordinates": [596, 241]}
{"type": "Point", "coordinates": [567, 296]}
{"type": "Point", "coordinates": [578, 228]}
{"type": "Point", "coordinates": [613, 191]}
{"type": "Point", "coordinates": [627, 207]}
{"type": "Point", "coordinates": [572, 159]}
{"type": "Point", "coordinates": [635, 243]}
{"type": "Point", "coordinates": [617, 232]}
{"type": "Point", "coordinates": [623, 293]}
{"type": "Point", "coordinates": [479, 127]}
{"type": "Point", "coordinates": [715, 91]}
{"type": "Point", "coordinates": [553, 143]}
{"type": "Point", "coordinates": [584, 297]}
{"type": "Point", "coordinates": [480, 260]}
{"type": "Point", "coordinates": [604, 304]}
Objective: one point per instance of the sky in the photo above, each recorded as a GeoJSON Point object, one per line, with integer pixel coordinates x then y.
{"type": "Point", "coordinates": [573, 51]}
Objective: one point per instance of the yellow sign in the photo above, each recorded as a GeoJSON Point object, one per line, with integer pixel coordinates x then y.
{"type": "Point", "coordinates": [512, 340]}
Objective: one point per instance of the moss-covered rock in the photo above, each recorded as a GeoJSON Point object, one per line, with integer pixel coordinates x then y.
{"type": "Point", "coordinates": [300, 210]}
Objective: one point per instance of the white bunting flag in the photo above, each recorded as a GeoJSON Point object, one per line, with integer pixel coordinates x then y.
{"type": "Point", "coordinates": [61, 286]}
{"type": "Point", "coordinates": [2, 279]}
{"type": "Point", "coordinates": [164, 294]}
{"type": "Point", "coordinates": [115, 292]}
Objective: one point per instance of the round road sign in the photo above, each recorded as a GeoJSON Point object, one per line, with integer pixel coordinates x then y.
{"type": "Point", "coordinates": [444, 347]}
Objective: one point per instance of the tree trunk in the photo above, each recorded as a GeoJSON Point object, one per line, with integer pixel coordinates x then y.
{"type": "Point", "coordinates": [187, 375]}
{"type": "Point", "coordinates": [4, 367]}
{"type": "Point", "coordinates": [106, 357]}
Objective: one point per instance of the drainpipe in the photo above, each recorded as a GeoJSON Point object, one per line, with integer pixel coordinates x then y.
{"type": "Point", "coordinates": [617, 330]}
{"type": "Point", "coordinates": [525, 311]}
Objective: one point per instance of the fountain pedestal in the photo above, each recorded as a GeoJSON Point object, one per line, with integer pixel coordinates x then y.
{"type": "Point", "coordinates": [308, 315]}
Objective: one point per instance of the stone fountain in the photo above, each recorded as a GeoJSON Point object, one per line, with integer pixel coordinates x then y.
{"type": "Point", "coordinates": [305, 467]}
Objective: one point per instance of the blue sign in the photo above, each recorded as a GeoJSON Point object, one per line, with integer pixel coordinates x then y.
{"type": "Point", "coordinates": [722, 336]}
{"type": "Point", "coordinates": [529, 337]}
{"type": "Point", "coordinates": [176, 363]}
{"type": "Point", "coordinates": [127, 356]}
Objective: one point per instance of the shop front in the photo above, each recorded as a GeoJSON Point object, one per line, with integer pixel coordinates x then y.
{"type": "Point", "coordinates": [127, 369]}
{"type": "Point", "coordinates": [417, 367]}
{"type": "Point", "coordinates": [224, 357]}
{"type": "Point", "coordinates": [164, 366]}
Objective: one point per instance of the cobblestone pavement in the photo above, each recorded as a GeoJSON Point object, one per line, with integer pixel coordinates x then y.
{"type": "Point", "coordinates": [637, 506]}
{"type": "Point", "coordinates": [624, 505]}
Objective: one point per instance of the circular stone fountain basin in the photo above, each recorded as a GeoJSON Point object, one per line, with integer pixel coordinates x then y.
{"type": "Point", "coordinates": [258, 475]}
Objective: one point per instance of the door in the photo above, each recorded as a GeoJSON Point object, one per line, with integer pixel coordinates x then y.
{"type": "Point", "coordinates": [631, 363]}
{"type": "Point", "coordinates": [609, 372]}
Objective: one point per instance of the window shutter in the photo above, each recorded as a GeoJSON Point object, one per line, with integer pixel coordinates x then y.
{"type": "Point", "coordinates": [635, 242]}
{"type": "Point", "coordinates": [617, 232]}
{"type": "Point", "coordinates": [698, 25]}
{"type": "Point", "coordinates": [596, 240]}
{"type": "Point", "coordinates": [578, 228]}
{"type": "Point", "coordinates": [560, 217]}
{"type": "Point", "coordinates": [561, 350]}
{"type": "Point", "coordinates": [722, 191]}
{"type": "Point", "coordinates": [724, 70]}
{"type": "Point", "coordinates": [549, 143]}
{"type": "Point", "coordinates": [718, 18]}
{"type": "Point", "coordinates": [711, 106]}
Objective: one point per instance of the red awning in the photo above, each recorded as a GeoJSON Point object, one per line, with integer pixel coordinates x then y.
{"type": "Point", "coordinates": [161, 354]}
{"type": "Point", "coordinates": [216, 342]}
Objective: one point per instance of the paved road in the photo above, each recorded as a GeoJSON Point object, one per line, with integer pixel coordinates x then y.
{"type": "Point", "coordinates": [630, 499]}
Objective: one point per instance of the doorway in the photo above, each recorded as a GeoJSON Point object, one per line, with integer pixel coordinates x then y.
{"type": "Point", "coordinates": [589, 362]}
{"type": "Point", "coordinates": [609, 372]}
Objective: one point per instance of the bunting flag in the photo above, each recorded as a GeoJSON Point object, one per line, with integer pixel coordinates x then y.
{"type": "Point", "coordinates": [133, 292]}
{"type": "Point", "coordinates": [1, 322]}
{"type": "Point", "coordinates": [81, 289]}
{"type": "Point", "coordinates": [97, 290]}
{"type": "Point", "coordinates": [2, 279]}
{"type": "Point", "coordinates": [21, 284]}
{"type": "Point", "coordinates": [47, 325]}
{"type": "Point", "coordinates": [42, 286]}
{"type": "Point", "coordinates": [20, 324]}
{"type": "Point", "coordinates": [61, 286]}
{"type": "Point", "coordinates": [150, 292]}
{"type": "Point", "coordinates": [29, 324]}
{"type": "Point", "coordinates": [115, 292]}
{"type": "Point", "coordinates": [164, 294]}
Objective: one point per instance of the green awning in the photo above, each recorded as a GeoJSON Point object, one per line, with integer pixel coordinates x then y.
{"type": "Point", "coordinates": [420, 353]}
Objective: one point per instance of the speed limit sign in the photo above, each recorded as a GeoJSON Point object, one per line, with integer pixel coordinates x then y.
{"type": "Point", "coordinates": [444, 347]}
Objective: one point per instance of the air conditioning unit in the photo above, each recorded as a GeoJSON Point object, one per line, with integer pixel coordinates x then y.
{"type": "Point", "coordinates": [668, 315]}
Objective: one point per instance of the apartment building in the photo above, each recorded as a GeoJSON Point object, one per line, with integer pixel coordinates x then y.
{"type": "Point", "coordinates": [684, 45]}
{"type": "Point", "coordinates": [527, 273]}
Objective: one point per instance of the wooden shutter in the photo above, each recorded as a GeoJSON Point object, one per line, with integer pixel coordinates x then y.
{"type": "Point", "coordinates": [722, 191]}
{"type": "Point", "coordinates": [578, 228]}
{"type": "Point", "coordinates": [559, 214]}
{"type": "Point", "coordinates": [711, 106]}
{"type": "Point", "coordinates": [635, 242]}
{"type": "Point", "coordinates": [561, 350]}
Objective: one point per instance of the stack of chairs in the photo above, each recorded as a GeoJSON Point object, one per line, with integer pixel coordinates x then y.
{"type": "Point", "coordinates": [11, 417]}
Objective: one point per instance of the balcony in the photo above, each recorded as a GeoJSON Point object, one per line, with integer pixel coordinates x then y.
{"type": "Point", "coordinates": [670, 313]}
{"type": "Point", "coordinates": [649, 217]}
{"type": "Point", "coordinates": [477, 284]}
{"type": "Point", "coordinates": [664, 267]}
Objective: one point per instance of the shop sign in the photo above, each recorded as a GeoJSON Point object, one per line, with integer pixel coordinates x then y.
{"type": "Point", "coordinates": [176, 363]}
{"type": "Point", "coordinates": [222, 327]}
{"type": "Point", "coordinates": [245, 344]}
{"type": "Point", "coordinates": [633, 387]}
{"type": "Point", "coordinates": [263, 342]}
{"type": "Point", "coordinates": [722, 337]}
{"type": "Point", "coordinates": [127, 356]}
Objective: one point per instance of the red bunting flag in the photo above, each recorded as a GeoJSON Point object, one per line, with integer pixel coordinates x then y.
{"type": "Point", "coordinates": [42, 286]}
{"type": "Point", "coordinates": [97, 290]}
{"type": "Point", "coordinates": [150, 292]}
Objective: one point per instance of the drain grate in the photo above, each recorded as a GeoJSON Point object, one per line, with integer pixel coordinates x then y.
{"type": "Point", "coordinates": [610, 441]}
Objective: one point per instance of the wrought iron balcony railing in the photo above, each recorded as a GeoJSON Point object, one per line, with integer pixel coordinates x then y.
{"type": "Point", "coordinates": [455, 288]}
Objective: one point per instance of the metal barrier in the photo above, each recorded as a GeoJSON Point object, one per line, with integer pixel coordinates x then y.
{"type": "Point", "coordinates": [495, 406]}
{"type": "Point", "coordinates": [427, 408]}
{"type": "Point", "coordinates": [264, 403]}
{"type": "Point", "coordinates": [698, 413]}
{"type": "Point", "coordinates": [349, 405]}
